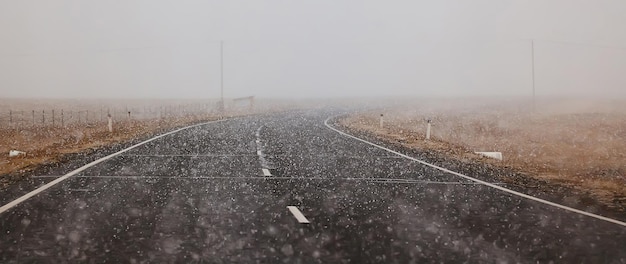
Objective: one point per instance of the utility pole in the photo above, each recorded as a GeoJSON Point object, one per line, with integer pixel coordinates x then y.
{"type": "Point", "coordinates": [222, 76]}
{"type": "Point", "coordinates": [532, 51]}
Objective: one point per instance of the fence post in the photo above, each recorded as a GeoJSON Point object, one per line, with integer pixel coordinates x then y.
{"type": "Point", "coordinates": [428, 130]}
{"type": "Point", "coordinates": [10, 117]}
{"type": "Point", "coordinates": [110, 123]}
{"type": "Point", "coordinates": [87, 117]}
{"type": "Point", "coordinates": [43, 117]}
{"type": "Point", "coordinates": [52, 117]}
{"type": "Point", "coordinates": [62, 121]}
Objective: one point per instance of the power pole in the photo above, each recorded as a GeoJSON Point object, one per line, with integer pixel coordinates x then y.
{"type": "Point", "coordinates": [532, 51]}
{"type": "Point", "coordinates": [222, 76]}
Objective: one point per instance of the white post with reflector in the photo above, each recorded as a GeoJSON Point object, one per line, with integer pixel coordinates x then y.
{"type": "Point", "coordinates": [428, 127]}
{"type": "Point", "coordinates": [110, 123]}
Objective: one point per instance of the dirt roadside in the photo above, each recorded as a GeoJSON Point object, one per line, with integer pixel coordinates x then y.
{"type": "Point", "coordinates": [600, 178]}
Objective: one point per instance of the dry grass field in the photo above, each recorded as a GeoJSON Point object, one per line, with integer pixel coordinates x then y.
{"type": "Point", "coordinates": [578, 143]}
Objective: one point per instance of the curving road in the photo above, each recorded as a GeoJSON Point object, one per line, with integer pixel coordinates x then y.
{"type": "Point", "coordinates": [285, 188]}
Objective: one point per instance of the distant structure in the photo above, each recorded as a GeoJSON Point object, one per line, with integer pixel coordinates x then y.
{"type": "Point", "coordinates": [221, 106]}
{"type": "Point", "coordinates": [249, 99]}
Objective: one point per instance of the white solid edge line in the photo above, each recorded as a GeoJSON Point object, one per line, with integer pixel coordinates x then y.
{"type": "Point", "coordinates": [298, 215]}
{"type": "Point", "coordinates": [266, 172]}
{"type": "Point", "coordinates": [76, 171]}
{"type": "Point", "coordinates": [479, 181]}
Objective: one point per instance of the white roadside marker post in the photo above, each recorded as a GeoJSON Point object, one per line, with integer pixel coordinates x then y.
{"type": "Point", "coordinates": [16, 153]}
{"type": "Point", "coordinates": [428, 130]}
{"type": "Point", "coordinates": [493, 155]}
{"type": "Point", "coordinates": [110, 123]}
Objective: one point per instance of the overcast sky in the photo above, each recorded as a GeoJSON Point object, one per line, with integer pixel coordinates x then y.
{"type": "Point", "coordinates": [161, 49]}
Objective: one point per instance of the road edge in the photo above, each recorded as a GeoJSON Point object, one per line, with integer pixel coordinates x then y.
{"type": "Point", "coordinates": [500, 188]}
{"type": "Point", "coordinates": [48, 185]}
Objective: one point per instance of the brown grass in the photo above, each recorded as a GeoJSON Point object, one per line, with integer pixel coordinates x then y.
{"type": "Point", "coordinates": [584, 149]}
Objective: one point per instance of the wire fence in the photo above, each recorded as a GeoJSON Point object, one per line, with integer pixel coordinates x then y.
{"type": "Point", "coordinates": [59, 117]}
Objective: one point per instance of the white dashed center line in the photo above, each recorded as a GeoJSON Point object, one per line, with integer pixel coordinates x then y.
{"type": "Point", "coordinates": [79, 190]}
{"type": "Point", "coordinates": [299, 216]}
{"type": "Point", "coordinates": [265, 164]}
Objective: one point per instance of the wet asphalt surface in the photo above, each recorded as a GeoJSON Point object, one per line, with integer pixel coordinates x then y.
{"type": "Point", "coordinates": [201, 196]}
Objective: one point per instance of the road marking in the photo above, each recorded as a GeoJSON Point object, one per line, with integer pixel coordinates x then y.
{"type": "Point", "coordinates": [29, 195]}
{"type": "Point", "coordinates": [299, 216]}
{"type": "Point", "coordinates": [380, 180]}
{"type": "Point", "coordinates": [139, 177]}
{"type": "Point", "coordinates": [265, 164]}
{"type": "Point", "coordinates": [79, 190]}
{"type": "Point", "coordinates": [188, 155]}
{"type": "Point", "coordinates": [135, 177]}
{"type": "Point", "coordinates": [266, 172]}
{"type": "Point", "coordinates": [574, 210]}
{"type": "Point", "coordinates": [258, 133]}
{"type": "Point", "coordinates": [385, 180]}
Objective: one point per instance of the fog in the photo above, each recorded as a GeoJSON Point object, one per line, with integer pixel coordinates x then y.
{"type": "Point", "coordinates": [312, 49]}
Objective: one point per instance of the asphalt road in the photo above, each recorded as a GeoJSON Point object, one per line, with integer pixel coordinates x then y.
{"type": "Point", "coordinates": [285, 188]}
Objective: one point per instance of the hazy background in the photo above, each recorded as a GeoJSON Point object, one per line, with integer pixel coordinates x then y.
{"type": "Point", "coordinates": [323, 48]}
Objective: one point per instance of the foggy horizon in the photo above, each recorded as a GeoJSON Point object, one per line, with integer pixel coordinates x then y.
{"type": "Point", "coordinates": [273, 49]}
